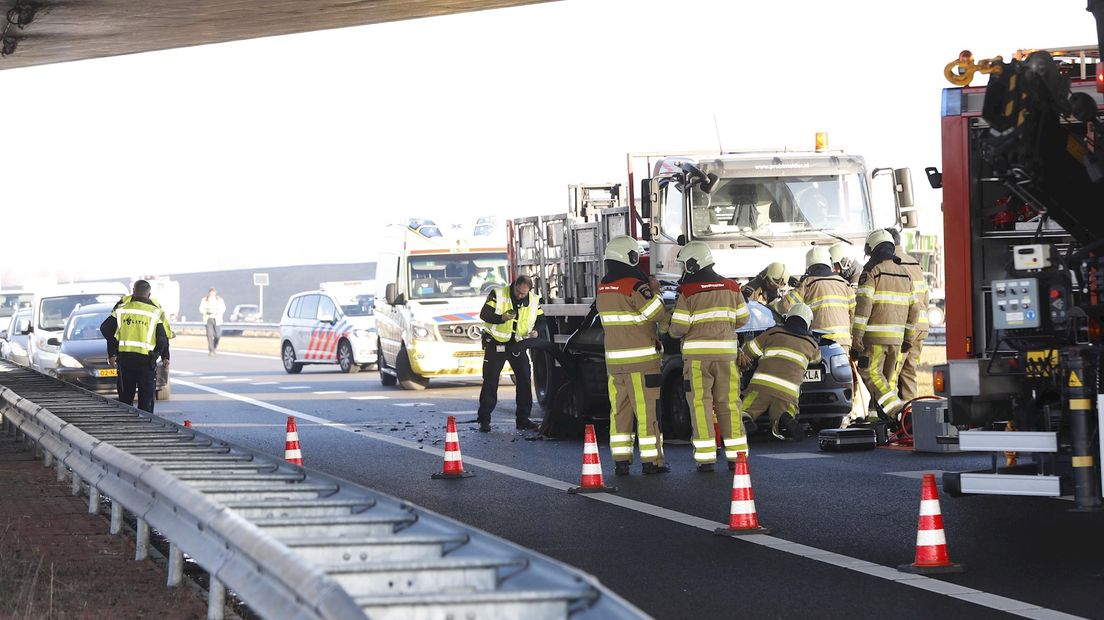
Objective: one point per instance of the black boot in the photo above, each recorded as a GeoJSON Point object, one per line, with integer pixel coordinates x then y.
{"type": "Point", "coordinates": [621, 468]}
{"type": "Point", "coordinates": [794, 432]}
{"type": "Point", "coordinates": [705, 467]}
{"type": "Point", "coordinates": [652, 468]}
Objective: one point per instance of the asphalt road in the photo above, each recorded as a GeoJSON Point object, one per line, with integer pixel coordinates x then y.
{"type": "Point", "coordinates": [650, 542]}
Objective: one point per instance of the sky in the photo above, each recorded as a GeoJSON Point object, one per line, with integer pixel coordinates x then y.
{"type": "Point", "coordinates": [296, 149]}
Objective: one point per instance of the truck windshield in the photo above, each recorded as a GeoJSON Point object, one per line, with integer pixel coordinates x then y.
{"type": "Point", "coordinates": [10, 302]}
{"type": "Point", "coordinates": [456, 275]}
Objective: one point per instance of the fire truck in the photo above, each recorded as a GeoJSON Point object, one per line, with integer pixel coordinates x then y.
{"type": "Point", "coordinates": [1023, 208]}
{"type": "Point", "coordinates": [751, 208]}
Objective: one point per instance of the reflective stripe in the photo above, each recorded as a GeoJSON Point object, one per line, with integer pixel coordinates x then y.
{"type": "Point", "coordinates": [786, 354]}
{"type": "Point", "coordinates": [710, 315]}
{"type": "Point", "coordinates": [929, 507]}
{"type": "Point", "coordinates": [681, 317]}
{"type": "Point", "coordinates": [616, 438]}
{"type": "Point", "coordinates": [652, 308]}
{"type": "Point", "coordinates": [705, 444]}
{"type": "Point", "coordinates": [619, 450]}
{"type": "Point", "coordinates": [754, 348]}
{"type": "Point", "coordinates": [649, 454]}
{"type": "Point", "coordinates": [893, 297]}
{"type": "Point", "coordinates": [743, 507]}
{"type": "Point", "coordinates": [136, 344]}
{"type": "Point", "coordinates": [696, 345]}
{"type": "Point", "coordinates": [146, 313]}
{"type": "Point", "coordinates": [622, 318]}
{"type": "Point", "coordinates": [630, 353]}
{"type": "Point", "coordinates": [930, 538]}
{"type": "Point", "coordinates": [786, 386]}
{"type": "Point", "coordinates": [865, 291]}
{"type": "Point", "coordinates": [886, 329]}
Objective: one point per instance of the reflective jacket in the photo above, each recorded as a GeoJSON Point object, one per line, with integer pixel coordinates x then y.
{"type": "Point", "coordinates": [706, 317]}
{"type": "Point", "coordinates": [756, 290]}
{"type": "Point", "coordinates": [832, 301]}
{"type": "Point", "coordinates": [137, 325]}
{"type": "Point", "coordinates": [886, 310]}
{"type": "Point", "coordinates": [783, 356]}
{"type": "Point", "coordinates": [919, 288]}
{"type": "Point", "coordinates": [501, 301]}
{"type": "Point", "coordinates": [630, 315]}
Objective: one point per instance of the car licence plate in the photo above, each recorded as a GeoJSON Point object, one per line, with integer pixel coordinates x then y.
{"type": "Point", "coordinates": [812, 375]}
{"type": "Point", "coordinates": [107, 372]}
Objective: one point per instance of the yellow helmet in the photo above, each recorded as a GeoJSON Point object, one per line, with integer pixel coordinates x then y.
{"type": "Point", "coordinates": [695, 256]}
{"type": "Point", "coordinates": [803, 311]}
{"type": "Point", "coordinates": [623, 249]}
{"type": "Point", "coordinates": [777, 272]}
{"type": "Point", "coordinates": [876, 238]}
{"type": "Point", "coordinates": [818, 255]}
{"type": "Point", "coordinates": [839, 251]}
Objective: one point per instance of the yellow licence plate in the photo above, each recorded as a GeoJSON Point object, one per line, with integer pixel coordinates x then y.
{"type": "Point", "coordinates": [107, 372]}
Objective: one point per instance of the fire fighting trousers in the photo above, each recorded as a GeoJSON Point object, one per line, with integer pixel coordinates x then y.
{"type": "Point", "coordinates": [906, 381]}
{"type": "Point", "coordinates": [713, 387]}
{"type": "Point", "coordinates": [633, 399]}
{"type": "Point", "coordinates": [879, 366]}
{"type": "Point", "coordinates": [757, 403]}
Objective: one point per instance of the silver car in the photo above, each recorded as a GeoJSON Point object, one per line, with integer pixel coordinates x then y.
{"type": "Point", "coordinates": [14, 337]}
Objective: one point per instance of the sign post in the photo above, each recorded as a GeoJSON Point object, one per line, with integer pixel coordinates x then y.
{"type": "Point", "coordinates": [261, 281]}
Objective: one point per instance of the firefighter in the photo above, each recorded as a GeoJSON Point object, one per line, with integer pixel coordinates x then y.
{"type": "Point", "coordinates": [137, 334]}
{"type": "Point", "coordinates": [509, 316]}
{"type": "Point", "coordinates": [843, 264]}
{"type": "Point", "coordinates": [884, 324]}
{"type": "Point", "coordinates": [764, 287]}
{"type": "Point", "coordinates": [906, 381]}
{"type": "Point", "coordinates": [708, 311]}
{"type": "Point", "coordinates": [830, 297]}
{"type": "Point", "coordinates": [784, 353]}
{"type": "Point", "coordinates": [631, 312]}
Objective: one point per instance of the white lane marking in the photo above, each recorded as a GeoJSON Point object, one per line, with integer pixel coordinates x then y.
{"type": "Point", "coordinates": [220, 354]}
{"type": "Point", "coordinates": [969, 595]}
{"type": "Point", "coordinates": [919, 475]}
{"type": "Point", "coordinates": [215, 377]}
{"type": "Point", "coordinates": [330, 392]}
{"type": "Point", "coordinates": [465, 412]}
{"type": "Point", "coordinates": [183, 373]}
{"type": "Point", "coordinates": [264, 383]}
{"type": "Point", "coordinates": [245, 425]}
{"type": "Point", "coordinates": [368, 397]}
{"type": "Point", "coordinates": [295, 387]}
{"type": "Point", "coordinates": [413, 404]}
{"type": "Point", "coordinates": [792, 456]}
{"type": "Point", "coordinates": [240, 380]}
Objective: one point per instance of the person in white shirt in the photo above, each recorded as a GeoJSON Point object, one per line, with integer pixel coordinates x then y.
{"type": "Point", "coordinates": [212, 308]}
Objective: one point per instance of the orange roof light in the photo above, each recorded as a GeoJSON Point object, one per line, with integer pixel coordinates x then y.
{"type": "Point", "coordinates": [822, 137]}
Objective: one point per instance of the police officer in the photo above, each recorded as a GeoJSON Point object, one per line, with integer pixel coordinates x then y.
{"type": "Point", "coordinates": [137, 334]}
{"type": "Point", "coordinates": [843, 264]}
{"type": "Point", "coordinates": [830, 297]}
{"type": "Point", "coordinates": [631, 313]}
{"type": "Point", "coordinates": [906, 381]}
{"type": "Point", "coordinates": [784, 353]}
{"type": "Point", "coordinates": [509, 316]}
{"type": "Point", "coordinates": [708, 311]}
{"type": "Point", "coordinates": [764, 287]}
{"type": "Point", "coordinates": [885, 319]}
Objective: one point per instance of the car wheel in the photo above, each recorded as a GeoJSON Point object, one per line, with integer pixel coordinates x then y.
{"type": "Point", "coordinates": [565, 417]}
{"type": "Point", "coordinates": [675, 416]}
{"type": "Point", "coordinates": [345, 357]}
{"type": "Point", "coordinates": [164, 392]}
{"type": "Point", "coordinates": [386, 379]}
{"type": "Point", "coordinates": [291, 366]}
{"type": "Point", "coordinates": [408, 379]}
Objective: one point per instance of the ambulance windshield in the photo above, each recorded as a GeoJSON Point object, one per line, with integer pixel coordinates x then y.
{"type": "Point", "coordinates": [456, 275]}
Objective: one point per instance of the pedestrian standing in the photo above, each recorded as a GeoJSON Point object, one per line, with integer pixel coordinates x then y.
{"type": "Point", "coordinates": [137, 336]}
{"type": "Point", "coordinates": [212, 308]}
{"type": "Point", "coordinates": [708, 311]}
{"type": "Point", "coordinates": [631, 313]}
{"type": "Point", "coordinates": [509, 316]}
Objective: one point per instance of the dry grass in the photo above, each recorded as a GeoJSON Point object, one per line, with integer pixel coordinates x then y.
{"type": "Point", "coordinates": [930, 356]}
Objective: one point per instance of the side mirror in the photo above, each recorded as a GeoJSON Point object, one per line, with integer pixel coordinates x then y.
{"type": "Point", "coordinates": [935, 177]}
{"type": "Point", "coordinates": [709, 183]}
{"type": "Point", "coordinates": [24, 327]}
{"type": "Point", "coordinates": [902, 198]}
{"type": "Point", "coordinates": [3, 334]}
{"type": "Point", "coordinates": [53, 342]}
{"type": "Point", "coordinates": [389, 293]}
{"type": "Point", "coordinates": [647, 198]}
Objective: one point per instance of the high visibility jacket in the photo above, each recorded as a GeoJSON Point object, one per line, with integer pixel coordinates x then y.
{"type": "Point", "coordinates": [522, 324]}
{"type": "Point", "coordinates": [783, 356]}
{"type": "Point", "coordinates": [630, 316]}
{"type": "Point", "coordinates": [886, 307]}
{"type": "Point", "coordinates": [164, 317]}
{"type": "Point", "coordinates": [706, 317]}
{"type": "Point", "coordinates": [832, 301]}
{"type": "Point", "coordinates": [756, 290]}
{"type": "Point", "coordinates": [137, 325]}
{"type": "Point", "coordinates": [919, 288]}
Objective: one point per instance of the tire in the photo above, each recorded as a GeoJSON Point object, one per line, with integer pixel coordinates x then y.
{"type": "Point", "coordinates": [564, 418]}
{"type": "Point", "coordinates": [164, 392]}
{"type": "Point", "coordinates": [386, 379]}
{"type": "Point", "coordinates": [408, 379]}
{"type": "Point", "coordinates": [287, 355]}
{"type": "Point", "coordinates": [675, 412]}
{"type": "Point", "coordinates": [345, 358]}
{"type": "Point", "coordinates": [547, 378]}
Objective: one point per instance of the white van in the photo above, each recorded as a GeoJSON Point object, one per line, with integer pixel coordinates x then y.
{"type": "Point", "coordinates": [329, 327]}
{"type": "Point", "coordinates": [51, 308]}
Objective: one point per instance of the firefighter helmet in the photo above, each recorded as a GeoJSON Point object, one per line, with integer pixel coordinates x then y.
{"type": "Point", "coordinates": [695, 256]}
{"type": "Point", "coordinates": [818, 255]}
{"type": "Point", "coordinates": [803, 311]}
{"type": "Point", "coordinates": [777, 273]}
{"type": "Point", "coordinates": [623, 249]}
{"type": "Point", "coordinates": [839, 251]}
{"type": "Point", "coordinates": [876, 238]}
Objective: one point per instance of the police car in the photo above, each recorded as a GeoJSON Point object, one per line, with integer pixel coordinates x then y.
{"type": "Point", "coordinates": [333, 325]}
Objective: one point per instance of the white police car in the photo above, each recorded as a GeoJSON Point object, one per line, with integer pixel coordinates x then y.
{"type": "Point", "coordinates": [333, 325]}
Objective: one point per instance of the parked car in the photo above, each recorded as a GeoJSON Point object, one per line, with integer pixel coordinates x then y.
{"type": "Point", "coordinates": [316, 328]}
{"type": "Point", "coordinates": [15, 336]}
{"type": "Point", "coordinates": [82, 353]}
{"type": "Point", "coordinates": [246, 313]}
{"type": "Point", "coordinates": [51, 309]}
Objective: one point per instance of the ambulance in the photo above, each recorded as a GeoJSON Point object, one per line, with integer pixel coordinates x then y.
{"type": "Point", "coordinates": [432, 280]}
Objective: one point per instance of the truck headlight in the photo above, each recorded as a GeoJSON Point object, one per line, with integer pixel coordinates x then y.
{"type": "Point", "coordinates": [68, 361]}
{"type": "Point", "coordinates": [840, 367]}
{"type": "Point", "coordinates": [424, 331]}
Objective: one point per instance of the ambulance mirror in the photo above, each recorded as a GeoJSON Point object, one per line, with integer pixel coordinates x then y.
{"type": "Point", "coordinates": [390, 294]}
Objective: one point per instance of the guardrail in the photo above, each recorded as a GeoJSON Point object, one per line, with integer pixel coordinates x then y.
{"type": "Point", "coordinates": [228, 328]}
{"type": "Point", "coordinates": [937, 335]}
{"type": "Point", "coordinates": [289, 541]}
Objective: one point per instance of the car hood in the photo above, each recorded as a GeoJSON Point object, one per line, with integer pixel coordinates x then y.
{"type": "Point", "coordinates": [85, 350]}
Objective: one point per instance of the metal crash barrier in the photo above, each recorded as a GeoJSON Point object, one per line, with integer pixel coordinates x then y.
{"type": "Point", "coordinates": [288, 541]}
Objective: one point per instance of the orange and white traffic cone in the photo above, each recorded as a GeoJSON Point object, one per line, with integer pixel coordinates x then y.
{"type": "Point", "coordinates": [931, 541]}
{"type": "Point", "coordinates": [454, 464]}
{"type": "Point", "coordinates": [742, 518]}
{"type": "Point", "coordinates": [291, 444]}
{"type": "Point", "coordinates": [187, 423]}
{"type": "Point", "coordinates": [591, 481]}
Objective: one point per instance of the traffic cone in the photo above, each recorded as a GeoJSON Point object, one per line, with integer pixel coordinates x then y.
{"type": "Point", "coordinates": [187, 423]}
{"type": "Point", "coordinates": [291, 444]}
{"type": "Point", "coordinates": [931, 542]}
{"type": "Point", "coordinates": [742, 518]}
{"type": "Point", "coordinates": [454, 465]}
{"type": "Point", "coordinates": [591, 481]}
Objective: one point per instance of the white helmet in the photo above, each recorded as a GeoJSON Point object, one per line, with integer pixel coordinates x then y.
{"type": "Point", "coordinates": [818, 255]}
{"type": "Point", "coordinates": [695, 256]}
{"type": "Point", "coordinates": [623, 249]}
{"type": "Point", "coordinates": [777, 272]}
{"type": "Point", "coordinates": [839, 251]}
{"type": "Point", "coordinates": [803, 311]}
{"type": "Point", "coordinates": [876, 238]}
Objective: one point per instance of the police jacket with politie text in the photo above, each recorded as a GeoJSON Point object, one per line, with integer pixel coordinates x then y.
{"type": "Point", "coordinates": [158, 345]}
{"type": "Point", "coordinates": [831, 299]}
{"type": "Point", "coordinates": [886, 307]}
{"type": "Point", "coordinates": [708, 311]}
{"type": "Point", "coordinates": [630, 315]}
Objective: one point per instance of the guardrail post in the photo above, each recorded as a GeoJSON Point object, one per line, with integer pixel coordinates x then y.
{"type": "Point", "coordinates": [76, 484]}
{"type": "Point", "coordinates": [93, 500]}
{"type": "Point", "coordinates": [59, 465]}
{"type": "Point", "coordinates": [176, 565]}
{"type": "Point", "coordinates": [47, 458]}
{"type": "Point", "coordinates": [216, 599]}
{"type": "Point", "coordinates": [116, 517]}
{"type": "Point", "coordinates": [141, 535]}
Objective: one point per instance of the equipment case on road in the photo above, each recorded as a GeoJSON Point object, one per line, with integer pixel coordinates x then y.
{"type": "Point", "coordinates": [841, 439]}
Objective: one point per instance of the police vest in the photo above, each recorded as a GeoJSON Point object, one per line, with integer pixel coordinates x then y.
{"type": "Point", "coordinates": [137, 330]}
{"type": "Point", "coordinates": [525, 321]}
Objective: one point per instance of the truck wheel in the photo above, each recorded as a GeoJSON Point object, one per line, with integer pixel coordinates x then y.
{"type": "Point", "coordinates": [345, 358]}
{"type": "Point", "coordinates": [408, 379]}
{"type": "Point", "coordinates": [565, 417]}
{"type": "Point", "coordinates": [291, 366]}
{"type": "Point", "coordinates": [675, 412]}
{"type": "Point", "coordinates": [386, 379]}
{"type": "Point", "coordinates": [547, 379]}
